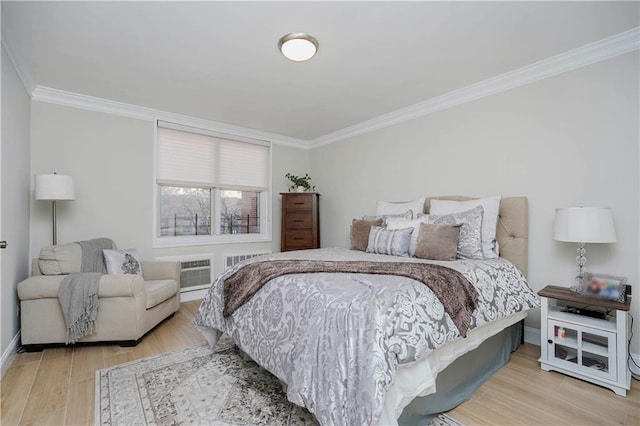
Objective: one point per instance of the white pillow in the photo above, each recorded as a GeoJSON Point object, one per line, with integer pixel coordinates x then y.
{"type": "Point", "coordinates": [399, 223]}
{"type": "Point", "coordinates": [60, 260]}
{"type": "Point", "coordinates": [406, 215]}
{"type": "Point", "coordinates": [387, 208]}
{"type": "Point", "coordinates": [491, 206]}
{"type": "Point", "coordinates": [122, 262]}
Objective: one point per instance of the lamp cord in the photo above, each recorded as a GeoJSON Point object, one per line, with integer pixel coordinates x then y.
{"type": "Point", "coordinates": [629, 357]}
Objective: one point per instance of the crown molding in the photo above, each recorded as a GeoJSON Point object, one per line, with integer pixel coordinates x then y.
{"type": "Point", "coordinates": [21, 70]}
{"type": "Point", "coordinates": [92, 103]}
{"type": "Point", "coordinates": [588, 54]}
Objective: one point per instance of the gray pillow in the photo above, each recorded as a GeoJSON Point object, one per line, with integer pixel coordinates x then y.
{"type": "Point", "coordinates": [438, 242]}
{"type": "Point", "coordinates": [470, 239]}
{"type": "Point", "coordinates": [392, 242]}
{"type": "Point", "coordinates": [360, 233]}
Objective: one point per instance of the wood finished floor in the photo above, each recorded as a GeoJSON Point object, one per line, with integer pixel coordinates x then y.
{"type": "Point", "coordinates": [56, 386]}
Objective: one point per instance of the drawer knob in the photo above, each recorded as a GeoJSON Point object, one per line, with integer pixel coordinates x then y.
{"type": "Point", "coordinates": [298, 220]}
{"type": "Point", "coordinates": [550, 341]}
{"type": "Point", "coordinates": [299, 203]}
{"type": "Point", "coordinates": [298, 238]}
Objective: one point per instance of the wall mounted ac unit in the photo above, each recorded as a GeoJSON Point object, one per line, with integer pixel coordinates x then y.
{"type": "Point", "coordinates": [196, 276]}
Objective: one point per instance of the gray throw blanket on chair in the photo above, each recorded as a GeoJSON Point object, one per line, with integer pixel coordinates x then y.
{"type": "Point", "coordinates": [78, 293]}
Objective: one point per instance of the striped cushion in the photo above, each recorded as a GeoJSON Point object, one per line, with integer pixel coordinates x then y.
{"type": "Point", "coordinates": [393, 242]}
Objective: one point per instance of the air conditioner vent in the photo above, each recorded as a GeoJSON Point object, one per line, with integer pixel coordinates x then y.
{"type": "Point", "coordinates": [234, 259]}
{"type": "Point", "coordinates": [190, 264]}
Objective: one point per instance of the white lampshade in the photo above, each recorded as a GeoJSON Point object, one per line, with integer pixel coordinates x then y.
{"type": "Point", "coordinates": [584, 225]}
{"type": "Point", "coordinates": [54, 187]}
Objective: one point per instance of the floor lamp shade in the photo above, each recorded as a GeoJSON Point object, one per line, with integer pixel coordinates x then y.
{"type": "Point", "coordinates": [54, 187]}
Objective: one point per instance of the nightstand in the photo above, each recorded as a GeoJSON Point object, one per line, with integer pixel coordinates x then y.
{"type": "Point", "coordinates": [591, 349]}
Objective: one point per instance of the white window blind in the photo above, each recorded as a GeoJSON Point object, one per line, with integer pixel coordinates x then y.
{"type": "Point", "coordinates": [198, 159]}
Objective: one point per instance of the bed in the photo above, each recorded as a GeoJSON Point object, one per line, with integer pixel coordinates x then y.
{"type": "Point", "coordinates": [359, 348]}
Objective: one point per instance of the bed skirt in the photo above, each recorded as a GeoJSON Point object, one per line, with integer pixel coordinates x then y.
{"type": "Point", "coordinates": [461, 379]}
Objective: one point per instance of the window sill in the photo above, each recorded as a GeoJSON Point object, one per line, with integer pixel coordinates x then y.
{"type": "Point", "coordinates": [185, 241]}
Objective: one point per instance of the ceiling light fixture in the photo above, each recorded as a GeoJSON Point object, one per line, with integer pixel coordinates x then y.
{"type": "Point", "coordinates": [298, 47]}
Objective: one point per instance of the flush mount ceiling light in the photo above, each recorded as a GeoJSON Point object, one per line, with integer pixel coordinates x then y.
{"type": "Point", "coordinates": [298, 47]}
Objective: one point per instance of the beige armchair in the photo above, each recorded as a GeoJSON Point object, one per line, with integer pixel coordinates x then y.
{"type": "Point", "coordinates": [130, 305]}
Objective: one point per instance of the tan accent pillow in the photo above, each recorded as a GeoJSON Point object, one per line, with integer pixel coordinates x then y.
{"type": "Point", "coordinates": [438, 242]}
{"type": "Point", "coordinates": [60, 260]}
{"type": "Point", "coordinates": [360, 233]}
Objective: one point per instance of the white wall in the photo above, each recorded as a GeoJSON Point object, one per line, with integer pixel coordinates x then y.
{"type": "Point", "coordinates": [569, 140]}
{"type": "Point", "coordinates": [564, 141]}
{"type": "Point", "coordinates": [15, 181]}
{"type": "Point", "coordinates": [111, 160]}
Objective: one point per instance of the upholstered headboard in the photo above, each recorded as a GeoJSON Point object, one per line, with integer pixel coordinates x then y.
{"type": "Point", "coordinates": [513, 227]}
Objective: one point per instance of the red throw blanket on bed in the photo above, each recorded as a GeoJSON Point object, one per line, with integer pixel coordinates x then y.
{"type": "Point", "coordinates": [455, 292]}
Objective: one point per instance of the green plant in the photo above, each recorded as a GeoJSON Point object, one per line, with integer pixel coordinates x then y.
{"type": "Point", "coordinates": [303, 181]}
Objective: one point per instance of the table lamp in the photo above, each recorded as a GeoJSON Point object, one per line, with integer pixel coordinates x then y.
{"type": "Point", "coordinates": [54, 188]}
{"type": "Point", "coordinates": [584, 225]}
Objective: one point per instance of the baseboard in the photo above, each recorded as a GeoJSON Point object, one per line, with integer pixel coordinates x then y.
{"type": "Point", "coordinates": [9, 354]}
{"type": "Point", "coordinates": [532, 335]}
{"type": "Point", "coordinates": [187, 296]}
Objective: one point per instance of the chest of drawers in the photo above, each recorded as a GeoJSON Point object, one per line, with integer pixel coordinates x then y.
{"type": "Point", "coordinates": [300, 221]}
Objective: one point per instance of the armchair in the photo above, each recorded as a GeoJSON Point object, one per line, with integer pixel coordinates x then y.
{"type": "Point", "coordinates": [130, 305]}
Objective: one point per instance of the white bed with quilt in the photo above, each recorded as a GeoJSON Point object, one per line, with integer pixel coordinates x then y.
{"type": "Point", "coordinates": [357, 335]}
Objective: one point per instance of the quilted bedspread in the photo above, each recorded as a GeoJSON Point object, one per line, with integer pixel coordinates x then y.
{"type": "Point", "coordinates": [336, 339]}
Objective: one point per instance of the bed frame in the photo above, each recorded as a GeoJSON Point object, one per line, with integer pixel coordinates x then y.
{"type": "Point", "coordinates": [512, 237]}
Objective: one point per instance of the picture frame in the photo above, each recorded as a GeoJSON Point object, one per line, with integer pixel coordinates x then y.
{"type": "Point", "coordinates": [605, 286]}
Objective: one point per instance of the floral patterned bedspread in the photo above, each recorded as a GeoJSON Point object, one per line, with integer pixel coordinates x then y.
{"type": "Point", "coordinates": [337, 339]}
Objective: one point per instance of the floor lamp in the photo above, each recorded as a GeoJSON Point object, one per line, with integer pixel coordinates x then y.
{"type": "Point", "coordinates": [54, 188]}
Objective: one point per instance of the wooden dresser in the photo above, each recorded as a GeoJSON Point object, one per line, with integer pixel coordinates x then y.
{"type": "Point", "coordinates": [300, 221]}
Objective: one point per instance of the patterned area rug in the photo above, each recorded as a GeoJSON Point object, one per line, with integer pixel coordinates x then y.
{"type": "Point", "coordinates": [199, 386]}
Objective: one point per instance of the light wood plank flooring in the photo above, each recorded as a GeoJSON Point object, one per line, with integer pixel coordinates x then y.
{"type": "Point", "coordinates": [56, 386]}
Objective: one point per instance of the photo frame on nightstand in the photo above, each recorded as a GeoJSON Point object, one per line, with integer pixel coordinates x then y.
{"type": "Point", "coordinates": [605, 286]}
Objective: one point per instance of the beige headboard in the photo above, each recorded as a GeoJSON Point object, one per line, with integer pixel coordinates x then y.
{"type": "Point", "coordinates": [512, 231]}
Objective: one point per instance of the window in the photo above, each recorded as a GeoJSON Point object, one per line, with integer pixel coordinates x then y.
{"type": "Point", "coordinates": [184, 211]}
{"type": "Point", "coordinates": [239, 212]}
{"type": "Point", "coordinates": [211, 188]}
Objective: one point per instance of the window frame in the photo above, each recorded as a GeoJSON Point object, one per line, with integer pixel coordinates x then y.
{"type": "Point", "coordinates": [265, 206]}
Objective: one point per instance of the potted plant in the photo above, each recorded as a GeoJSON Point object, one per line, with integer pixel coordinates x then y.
{"type": "Point", "coordinates": [300, 183]}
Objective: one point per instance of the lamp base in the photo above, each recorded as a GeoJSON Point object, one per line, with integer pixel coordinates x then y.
{"type": "Point", "coordinates": [581, 260]}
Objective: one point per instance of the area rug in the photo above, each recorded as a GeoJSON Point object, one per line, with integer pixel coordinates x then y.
{"type": "Point", "coordinates": [199, 386]}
